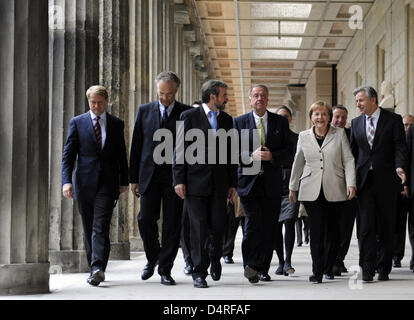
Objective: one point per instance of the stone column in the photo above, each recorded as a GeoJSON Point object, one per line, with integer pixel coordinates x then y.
{"type": "Point", "coordinates": [181, 17]}
{"type": "Point", "coordinates": [114, 75]}
{"type": "Point", "coordinates": [156, 38]}
{"type": "Point", "coordinates": [24, 266]}
{"type": "Point", "coordinates": [139, 94]}
{"type": "Point", "coordinates": [169, 35]}
{"type": "Point", "coordinates": [73, 68]}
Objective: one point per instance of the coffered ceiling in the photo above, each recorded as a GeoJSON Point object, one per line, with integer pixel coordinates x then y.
{"type": "Point", "coordinates": [275, 43]}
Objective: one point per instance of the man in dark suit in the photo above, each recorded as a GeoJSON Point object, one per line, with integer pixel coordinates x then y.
{"type": "Point", "coordinates": [205, 182]}
{"type": "Point", "coordinates": [260, 192]}
{"type": "Point", "coordinates": [347, 216]}
{"type": "Point", "coordinates": [410, 192]}
{"type": "Point", "coordinates": [380, 151]}
{"type": "Point", "coordinates": [151, 178]}
{"type": "Point", "coordinates": [96, 143]}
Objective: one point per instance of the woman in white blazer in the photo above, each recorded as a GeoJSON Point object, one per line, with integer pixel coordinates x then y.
{"type": "Point", "coordinates": [324, 174]}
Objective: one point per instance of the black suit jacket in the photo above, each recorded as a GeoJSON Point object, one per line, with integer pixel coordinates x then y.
{"type": "Point", "coordinates": [410, 173]}
{"type": "Point", "coordinates": [82, 147]}
{"type": "Point", "coordinates": [205, 179]}
{"type": "Point", "coordinates": [148, 121]}
{"type": "Point", "coordinates": [279, 142]}
{"type": "Point", "coordinates": [389, 150]}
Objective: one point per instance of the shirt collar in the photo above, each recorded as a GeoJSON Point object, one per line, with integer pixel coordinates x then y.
{"type": "Point", "coordinates": [375, 115]}
{"type": "Point", "coordinates": [169, 108]}
{"type": "Point", "coordinates": [207, 109]}
{"type": "Point", "coordinates": [102, 116]}
{"type": "Point", "coordinates": [257, 118]}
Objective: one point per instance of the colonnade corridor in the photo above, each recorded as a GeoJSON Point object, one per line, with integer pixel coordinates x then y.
{"type": "Point", "coordinates": [123, 282]}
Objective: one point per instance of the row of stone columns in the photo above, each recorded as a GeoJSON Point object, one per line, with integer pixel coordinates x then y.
{"type": "Point", "coordinates": [44, 73]}
{"type": "Point", "coordinates": [24, 147]}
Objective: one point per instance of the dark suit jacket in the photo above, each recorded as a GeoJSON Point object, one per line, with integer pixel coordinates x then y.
{"type": "Point", "coordinates": [278, 141]}
{"type": "Point", "coordinates": [142, 148]}
{"type": "Point", "coordinates": [205, 179]}
{"type": "Point", "coordinates": [82, 147]}
{"type": "Point", "coordinates": [389, 150]}
{"type": "Point", "coordinates": [410, 173]}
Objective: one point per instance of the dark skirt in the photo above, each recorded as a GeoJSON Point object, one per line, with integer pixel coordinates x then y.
{"type": "Point", "coordinates": [288, 211]}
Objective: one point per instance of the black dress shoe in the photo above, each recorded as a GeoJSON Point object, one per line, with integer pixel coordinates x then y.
{"type": "Point", "coordinates": [215, 271]}
{"type": "Point", "coordinates": [96, 277]}
{"type": "Point", "coordinates": [228, 260]}
{"type": "Point", "coordinates": [167, 280]}
{"type": "Point", "coordinates": [367, 277]}
{"type": "Point", "coordinates": [200, 283]}
{"type": "Point", "coordinates": [329, 276]}
{"type": "Point", "coordinates": [383, 277]}
{"type": "Point", "coordinates": [264, 276]}
{"type": "Point", "coordinates": [148, 271]}
{"type": "Point", "coordinates": [188, 269]}
{"type": "Point", "coordinates": [251, 275]}
{"type": "Point", "coordinates": [279, 270]}
{"type": "Point", "coordinates": [315, 278]}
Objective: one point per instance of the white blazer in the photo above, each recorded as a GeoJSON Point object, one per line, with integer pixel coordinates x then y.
{"type": "Point", "coordinates": [332, 166]}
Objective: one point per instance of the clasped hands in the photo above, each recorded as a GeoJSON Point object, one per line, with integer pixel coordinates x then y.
{"type": "Point", "coordinates": [262, 154]}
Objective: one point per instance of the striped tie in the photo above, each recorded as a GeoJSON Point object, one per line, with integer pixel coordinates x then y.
{"type": "Point", "coordinates": [371, 131]}
{"type": "Point", "coordinates": [97, 128]}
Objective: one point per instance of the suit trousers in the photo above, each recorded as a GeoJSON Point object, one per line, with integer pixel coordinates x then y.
{"type": "Point", "coordinates": [96, 221]}
{"type": "Point", "coordinates": [347, 222]}
{"type": "Point", "coordinates": [262, 214]}
{"type": "Point", "coordinates": [232, 225]}
{"type": "Point", "coordinates": [185, 237]}
{"type": "Point", "coordinates": [159, 191]}
{"type": "Point", "coordinates": [324, 232]}
{"type": "Point", "coordinates": [207, 220]}
{"type": "Point", "coordinates": [376, 216]}
{"type": "Point", "coordinates": [402, 212]}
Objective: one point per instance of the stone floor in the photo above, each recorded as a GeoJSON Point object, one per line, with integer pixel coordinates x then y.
{"type": "Point", "coordinates": [123, 282]}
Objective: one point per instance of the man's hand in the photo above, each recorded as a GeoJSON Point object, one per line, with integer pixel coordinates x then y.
{"type": "Point", "coordinates": [180, 190]}
{"type": "Point", "coordinates": [401, 174]}
{"type": "Point", "coordinates": [405, 193]}
{"type": "Point", "coordinates": [262, 154]}
{"type": "Point", "coordinates": [67, 191]}
{"type": "Point", "coordinates": [231, 194]}
{"type": "Point", "coordinates": [123, 189]}
{"type": "Point", "coordinates": [135, 190]}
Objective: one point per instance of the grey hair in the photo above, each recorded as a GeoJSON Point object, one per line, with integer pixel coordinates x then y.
{"type": "Point", "coordinates": [168, 76]}
{"type": "Point", "coordinates": [369, 91]}
{"type": "Point", "coordinates": [259, 86]}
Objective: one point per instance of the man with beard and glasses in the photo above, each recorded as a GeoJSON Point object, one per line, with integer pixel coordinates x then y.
{"type": "Point", "coordinates": [204, 186]}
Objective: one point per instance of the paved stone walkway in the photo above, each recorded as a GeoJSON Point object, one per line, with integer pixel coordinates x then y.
{"type": "Point", "coordinates": [123, 282]}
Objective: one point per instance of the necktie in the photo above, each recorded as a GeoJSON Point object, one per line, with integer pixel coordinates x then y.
{"type": "Point", "coordinates": [262, 132]}
{"type": "Point", "coordinates": [98, 133]}
{"type": "Point", "coordinates": [213, 119]}
{"type": "Point", "coordinates": [371, 131]}
{"type": "Point", "coordinates": [164, 118]}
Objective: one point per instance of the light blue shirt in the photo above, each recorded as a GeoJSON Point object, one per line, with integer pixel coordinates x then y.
{"type": "Point", "coordinates": [163, 108]}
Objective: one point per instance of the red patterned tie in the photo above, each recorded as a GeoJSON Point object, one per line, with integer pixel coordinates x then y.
{"type": "Point", "coordinates": [97, 128]}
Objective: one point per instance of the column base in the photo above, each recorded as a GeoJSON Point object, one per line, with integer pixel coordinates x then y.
{"type": "Point", "coordinates": [136, 244]}
{"type": "Point", "coordinates": [68, 261]}
{"type": "Point", "coordinates": [25, 278]}
{"type": "Point", "coordinates": [120, 251]}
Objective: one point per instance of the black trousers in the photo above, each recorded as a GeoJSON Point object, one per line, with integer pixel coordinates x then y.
{"type": "Point", "coordinates": [207, 220]}
{"type": "Point", "coordinates": [346, 223]}
{"type": "Point", "coordinates": [324, 232]}
{"type": "Point", "coordinates": [159, 191]}
{"type": "Point", "coordinates": [298, 223]}
{"type": "Point", "coordinates": [402, 212]}
{"type": "Point", "coordinates": [231, 227]}
{"type": "Point", "coordinates": [262, 214]}
{"type": "Point", "coordinates": [96, 221]}
{"type": "Point", "coordinates": [376, 216]}
{"type": "Point", "coordinates": [185, 237]}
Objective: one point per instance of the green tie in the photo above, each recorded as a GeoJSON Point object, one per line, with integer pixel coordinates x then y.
{"type": "Point", "coordinates": [262, 132]}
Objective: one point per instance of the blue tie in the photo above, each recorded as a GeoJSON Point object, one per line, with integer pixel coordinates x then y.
{"type": "Point", "coordinates": [213, 119]}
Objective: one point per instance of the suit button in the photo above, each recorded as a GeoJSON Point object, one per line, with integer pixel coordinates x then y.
{"type": "Point", "coordinates": [321, 160]}
{"type": "Point", "coordinates": [321, 168]}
